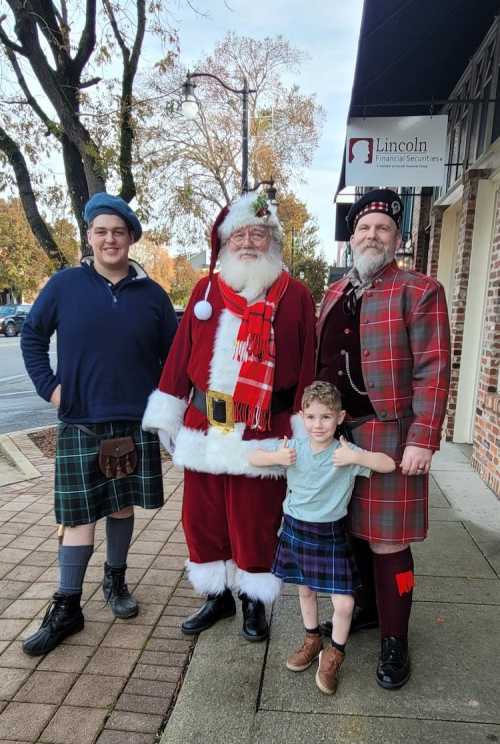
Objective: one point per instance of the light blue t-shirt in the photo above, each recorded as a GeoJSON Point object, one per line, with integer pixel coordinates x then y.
{"type": "Point", "coordinates": [317, 490]}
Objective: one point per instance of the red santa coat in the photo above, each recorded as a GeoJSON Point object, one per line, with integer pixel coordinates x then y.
{"type": "Point", "coordinates": [230, 517]}
{"type": "Point", "coordinates": [201, 356]}
{"type": "Point", "coordinates": [405, 360]}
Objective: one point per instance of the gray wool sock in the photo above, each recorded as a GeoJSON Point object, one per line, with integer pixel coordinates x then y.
{"type": "Point", "coordinates": [118, 537]}
{"type": "Point", "coordinates": [73, 561]}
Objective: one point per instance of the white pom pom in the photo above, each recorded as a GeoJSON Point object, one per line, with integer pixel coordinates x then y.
{"type": "Point", "coordinates": [203, 310]}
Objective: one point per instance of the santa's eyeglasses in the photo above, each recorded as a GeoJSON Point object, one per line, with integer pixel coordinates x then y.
{"type": "Point", "coordinates": [255, 235]}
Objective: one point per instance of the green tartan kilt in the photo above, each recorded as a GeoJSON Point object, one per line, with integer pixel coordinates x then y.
{"type": "Point", "coordinates": [82, 494]}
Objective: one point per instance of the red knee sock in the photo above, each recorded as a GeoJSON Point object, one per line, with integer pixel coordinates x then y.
{"type": "Point", "coordinates": [394, 582]}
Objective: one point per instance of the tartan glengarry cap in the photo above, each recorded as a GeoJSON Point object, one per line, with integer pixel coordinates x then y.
{"type": "Point", "coordinates": [103, 203]}
{"type": "Point", "coordinates": [379, 200]}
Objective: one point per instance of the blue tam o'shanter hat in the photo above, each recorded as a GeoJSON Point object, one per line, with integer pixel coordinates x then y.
{"type": "Point", "coordinates": [103, 203]}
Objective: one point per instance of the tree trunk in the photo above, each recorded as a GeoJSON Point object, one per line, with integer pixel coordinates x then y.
{"type": "Point", "coordinates": [35, 219]}
{"type": "Point", "coordinates": [77, 188]}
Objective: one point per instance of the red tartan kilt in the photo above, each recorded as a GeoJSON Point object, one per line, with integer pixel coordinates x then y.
{"type": "Point", "coordinates": [388, 507]}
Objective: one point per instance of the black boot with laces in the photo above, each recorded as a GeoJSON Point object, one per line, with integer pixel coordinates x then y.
{"type": "Point", "coordinates": [116, 593]}
{"type": "Point", "coordinates": [63, 618]}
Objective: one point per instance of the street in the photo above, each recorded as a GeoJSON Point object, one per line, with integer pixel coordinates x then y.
{"type": "Point", "coordinates": [20, 406]}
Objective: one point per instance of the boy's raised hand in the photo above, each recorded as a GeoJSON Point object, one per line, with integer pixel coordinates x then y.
{"type": "Point", "coordinates": [285, 455]}
{"type": "Point", "coordinates": [343, 455]}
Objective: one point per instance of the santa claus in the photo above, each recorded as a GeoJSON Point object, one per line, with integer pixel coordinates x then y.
{"type": "Point", "coordinates": [233, 380]}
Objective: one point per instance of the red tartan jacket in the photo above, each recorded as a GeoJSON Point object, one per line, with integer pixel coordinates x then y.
{"type": "Point", "coordinates": [405, 349]}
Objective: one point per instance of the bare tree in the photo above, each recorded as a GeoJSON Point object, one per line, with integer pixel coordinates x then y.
{"type": "Point", "coordinates": [196, 164]}
{"type": "Point", "coordinates": [53, 50]}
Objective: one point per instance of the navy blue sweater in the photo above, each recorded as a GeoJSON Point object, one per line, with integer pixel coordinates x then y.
{"type": "Point", "coordinates": [111, 343]}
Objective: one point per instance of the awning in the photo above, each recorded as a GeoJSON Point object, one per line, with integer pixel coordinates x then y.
{"type": "Point", "coordinates": [413, 52]}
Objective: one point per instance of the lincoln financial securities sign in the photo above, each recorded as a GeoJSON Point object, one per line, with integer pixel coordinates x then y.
{"type": "Point", "coordinates": [396, 151]}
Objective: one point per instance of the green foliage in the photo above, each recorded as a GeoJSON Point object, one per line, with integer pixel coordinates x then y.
{"type": "Point", "coordinates": [185, 277]}
{"type": "Point", "coordinates": [315, 271]}
{"type": "Point", "coordinates": [23, 264]}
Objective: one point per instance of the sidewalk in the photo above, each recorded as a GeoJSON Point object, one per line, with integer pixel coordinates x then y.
{"type": "Point", "coordinates": [116, 682]}
{"type": "Point", "coordinates": [236, 692]}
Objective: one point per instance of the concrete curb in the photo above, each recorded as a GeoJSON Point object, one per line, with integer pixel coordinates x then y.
{"type": "Point", "coordinates": [19, 461]}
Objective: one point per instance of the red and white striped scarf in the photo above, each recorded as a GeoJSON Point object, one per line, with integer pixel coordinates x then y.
{"type": "Point", "coordinates": [256, 350]}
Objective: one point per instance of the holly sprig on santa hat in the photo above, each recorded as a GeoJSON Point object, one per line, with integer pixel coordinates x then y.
{"type": "Point", "coordinates": [261, 206]}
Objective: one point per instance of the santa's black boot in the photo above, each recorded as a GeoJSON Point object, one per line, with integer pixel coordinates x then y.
{"type": "Point", "coordinates": [217, 607]}
{"type": "Point", "coordinates": [255, 627]}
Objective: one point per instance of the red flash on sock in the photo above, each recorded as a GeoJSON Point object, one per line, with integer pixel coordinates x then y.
{"type": "Point", "coordinates": [405, 582]}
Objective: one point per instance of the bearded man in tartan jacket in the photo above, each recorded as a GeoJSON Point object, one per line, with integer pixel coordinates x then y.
{"type": "Point", "coordinates": [243, 354]}
{"type": "Point", "coordinates": [383, 339]}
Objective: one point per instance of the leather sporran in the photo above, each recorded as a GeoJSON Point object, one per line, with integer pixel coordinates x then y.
{"type": "Point", "coordinates": [117, 457]}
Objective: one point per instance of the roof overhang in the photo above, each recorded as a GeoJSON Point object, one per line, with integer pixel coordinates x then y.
{"type": "Point", "coordinates": [411, 53]}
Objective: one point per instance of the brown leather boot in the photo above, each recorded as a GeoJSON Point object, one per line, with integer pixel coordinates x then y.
{"type": "Point", "coordinates": [305, 655]}
{"type": "Point", "coordinates": [330, 661]}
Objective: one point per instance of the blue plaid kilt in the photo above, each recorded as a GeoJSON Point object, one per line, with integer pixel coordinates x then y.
{"type": "Point", "coordinates": [316, 554]}
{"type": "Point", "coordinates": [82, 493]}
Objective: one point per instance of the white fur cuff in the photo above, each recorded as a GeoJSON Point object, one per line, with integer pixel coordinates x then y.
{"type": "Point", "coordinates": [259, 586]}
{"type": "Point", "coordinates": [207, 578]}
{"type": "Point", "coordinates": [164, 411]}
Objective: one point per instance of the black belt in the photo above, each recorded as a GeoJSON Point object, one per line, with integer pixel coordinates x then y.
{"type": "Point", "coordinates": [281, 400]}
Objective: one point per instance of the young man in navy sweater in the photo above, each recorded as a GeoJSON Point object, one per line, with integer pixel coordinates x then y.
{"type": "Point", "coordinates": [114, 329]}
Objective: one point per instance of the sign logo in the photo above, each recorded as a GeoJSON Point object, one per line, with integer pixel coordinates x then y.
{"type": "Point", "coordinates": [361, 149]}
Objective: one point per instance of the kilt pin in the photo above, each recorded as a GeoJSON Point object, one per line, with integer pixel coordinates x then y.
{"type": "Point", "coordinates": [405, 364]}
{"type": "Point", "coordinates": [231, 510]}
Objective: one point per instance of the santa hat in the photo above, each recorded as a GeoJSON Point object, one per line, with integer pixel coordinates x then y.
{"type": "Point", "coordinates": [248, 209]}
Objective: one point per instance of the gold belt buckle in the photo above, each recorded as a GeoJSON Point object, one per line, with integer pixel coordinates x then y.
{"type": "Point", "coordinates": [212, 397]}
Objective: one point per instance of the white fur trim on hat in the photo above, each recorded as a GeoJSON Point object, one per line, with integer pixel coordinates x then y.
{"type": "Point", "coordinates": [242, 213]}
{"type": "Point", "coordinates": [259, 586]}
{"type": "Point", "coordinates": [207, 578]}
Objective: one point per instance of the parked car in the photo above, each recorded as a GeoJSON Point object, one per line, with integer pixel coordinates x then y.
{"type": "Point", "coordinates": [179, 311]}
{"type": "Point", "coordinates": [12, 318]}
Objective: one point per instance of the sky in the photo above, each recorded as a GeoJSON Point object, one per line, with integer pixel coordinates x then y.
{"type": "Point", "coordinates": [327, 30]}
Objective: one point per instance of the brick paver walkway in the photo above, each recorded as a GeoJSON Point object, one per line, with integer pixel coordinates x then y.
{"type": "Point", "coordinates": [114, 682]}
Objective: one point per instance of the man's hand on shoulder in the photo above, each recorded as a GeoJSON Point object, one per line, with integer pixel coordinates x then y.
{"type": "Point", "coordinates": [416, 460]}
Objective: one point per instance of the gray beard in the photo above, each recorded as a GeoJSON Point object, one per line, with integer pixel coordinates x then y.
{"type": "Point", "coordinates": [368, 265]}
{"type": "Point", "coordinates": [250, 278]}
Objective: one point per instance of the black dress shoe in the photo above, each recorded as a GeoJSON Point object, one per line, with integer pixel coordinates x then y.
{"type": "Point", "coordinates": [63, 618]}
{"type": "Point", "coordinates": [255, 627]}
{"type": "Point", "coordinates": [217, 607]}
{"type": "Point", "coordinates": [116, 593]}
{"type": "Point", "coordinates": [393, 668]}
{"type": "Point", "coordinates": [362, 619]}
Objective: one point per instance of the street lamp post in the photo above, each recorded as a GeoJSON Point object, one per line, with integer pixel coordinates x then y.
{"type": "Point", "coordinates": [190, 107]}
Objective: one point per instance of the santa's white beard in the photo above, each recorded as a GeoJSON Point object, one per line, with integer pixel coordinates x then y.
{"type": "Point", "coordinates": [250, 278]}
{"type": "Point", "coordinates": [369, 263]}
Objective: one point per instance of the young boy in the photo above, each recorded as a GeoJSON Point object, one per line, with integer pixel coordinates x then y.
{"type": "Point", "coordinates": [313, 550]}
